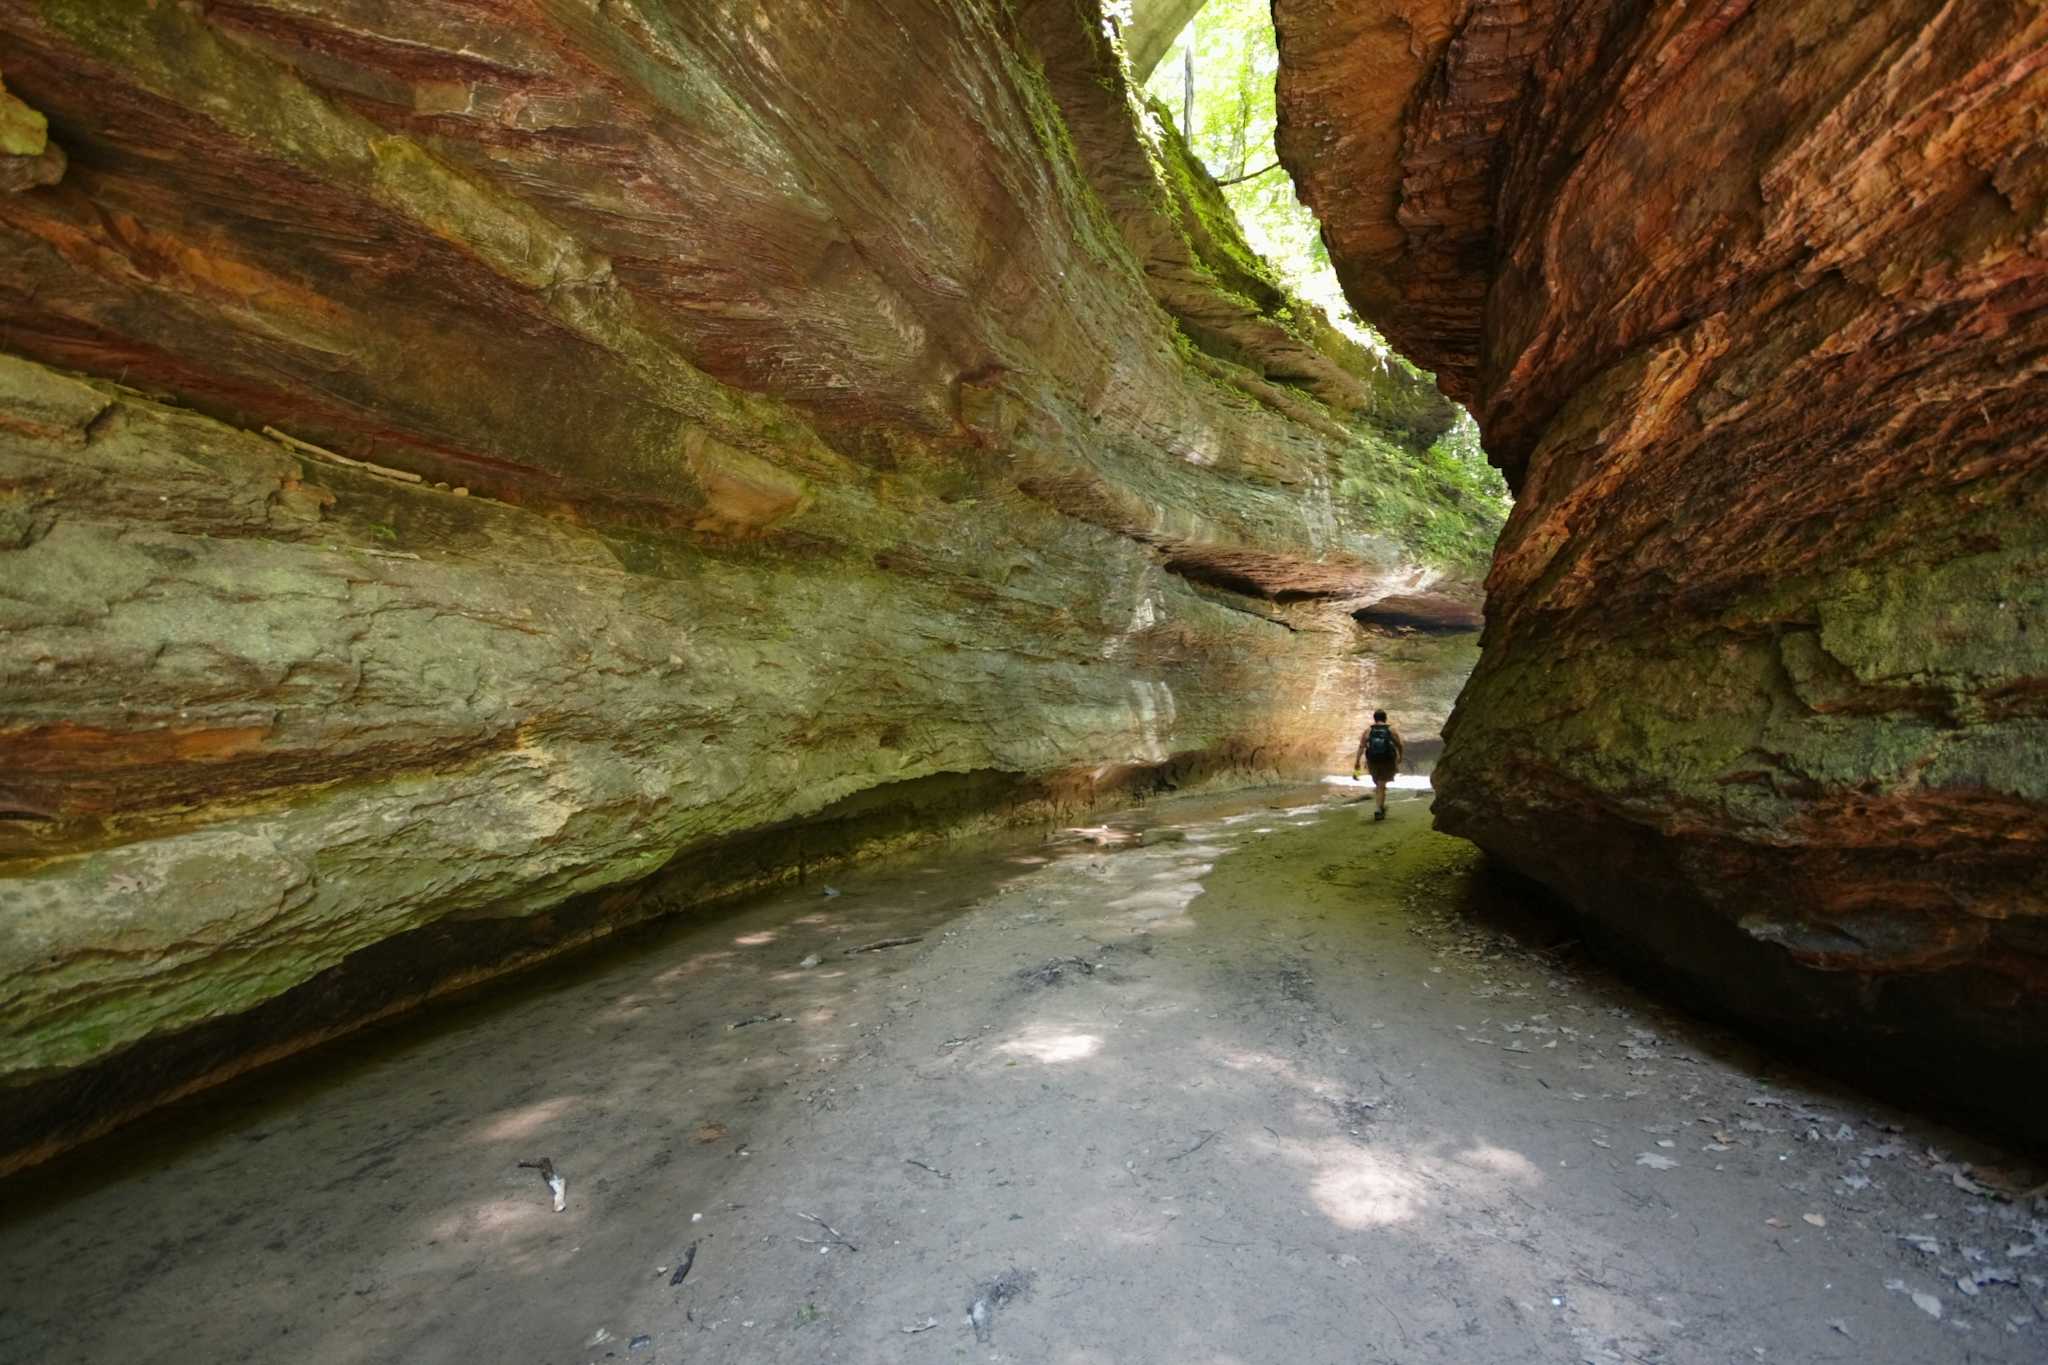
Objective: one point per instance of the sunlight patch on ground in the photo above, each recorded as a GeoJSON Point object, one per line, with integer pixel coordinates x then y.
{"type": "Point", "coordinates": [1359, 1188]}
{"type": "Point", "coordinates": [1501, 1161]}
{"type": "Point", "coordinates": [1102, 836]}
{"type": "Point", "coordinates": [1163, 903]}
{"type": "Point", "coordinates": [1052, 1045]}
{"type": "Point", "coordinates": [521, 1230]}
{"type": "Point", "coordinates": [684, 970]}
{"type": "Point", "coordinates": [495, 1218]}
{"type": "Point", "coordinates": [632, 1006]}
{"type": "Point", "coordinates": [1279, 1068]}
{"type": "Point", "coordinates": [526, 1121]}
{"type": "Point", "coordinates": [756, 939]}
{"type": "Point", "coordinates": [1360, 1181]}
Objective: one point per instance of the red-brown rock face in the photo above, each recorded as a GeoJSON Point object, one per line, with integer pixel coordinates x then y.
{"type": "Point", "coordinates": [1752, 303]}
{"type": "Point", "coordinates": [537, 466]}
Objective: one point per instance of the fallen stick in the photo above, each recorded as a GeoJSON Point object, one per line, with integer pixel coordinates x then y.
{"type": "Point", "coordinates": [1207, 1138]}
{"type": "Point", "coordinates": [837, 1235]}
{"type": "Point", "coordinates": [913, 1161]}
{"type": "Point", "coordinates": [683, 1270]}
{"type": "Point", "coordinates": [324, 453]}
{"type": "Point", "coordinates": [882, 943]}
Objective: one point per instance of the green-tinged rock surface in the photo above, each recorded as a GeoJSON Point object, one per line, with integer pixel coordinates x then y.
{"type": "Point", "coordinates": [469, 483]}
{"type": "Point", "coordinates": [27, 156]}
{"type": "Point", "coordinates": [1752, 305]}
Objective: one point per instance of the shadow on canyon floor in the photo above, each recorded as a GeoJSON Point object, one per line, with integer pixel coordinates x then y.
{"type": "Point", "coordinates": [1284, 1084]}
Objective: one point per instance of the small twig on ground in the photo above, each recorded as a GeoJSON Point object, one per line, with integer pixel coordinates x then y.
{"type": "Point", "coordinates": [683, 1270]}
{"type": "Point", "coordinates": [1207, 1138]}
{"type": "Point", "coordinates": [1399, 1325]}
{"type": "Point", "coordinates": [837, 1235]}
{"type": "Point", "coordinates": [913, 1161]}
{"type": "Point", "coordinates": [882, 943]}
{"type": "Point", "coordinates": [1217, 1241]}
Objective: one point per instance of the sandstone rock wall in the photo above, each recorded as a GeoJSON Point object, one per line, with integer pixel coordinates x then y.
{"type": "Point", "coordinates": [701, 441]}
{"type": "Point", "coordinates": [1752, 304]}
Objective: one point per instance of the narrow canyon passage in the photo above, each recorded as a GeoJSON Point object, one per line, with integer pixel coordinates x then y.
{"type": "Point", "coordinates": [480, 481]}
{"type": "Point", "coordinates": [1270, 1083]}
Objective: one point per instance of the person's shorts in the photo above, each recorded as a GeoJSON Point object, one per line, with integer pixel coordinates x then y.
{"type": "Point", "coordinates": [1381, 772]}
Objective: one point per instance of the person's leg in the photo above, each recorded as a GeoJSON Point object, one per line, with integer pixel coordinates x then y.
{"type": "Point", "coordinates": [1380, 800]}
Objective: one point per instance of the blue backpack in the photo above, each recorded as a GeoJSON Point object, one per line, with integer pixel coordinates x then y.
{"type": "Point", "coordinates": [1379, 743]}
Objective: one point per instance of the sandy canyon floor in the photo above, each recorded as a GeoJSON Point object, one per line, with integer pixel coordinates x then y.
{"type": "Point", "coordinates": [1276, 1083]}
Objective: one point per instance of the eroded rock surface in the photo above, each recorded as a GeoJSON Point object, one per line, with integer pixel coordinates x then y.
{"type": "Point", "coordinates": [703, 441]}
{"type": "Point", "coordinates": [27, 156]}
{"type": "Point", "coordinates": [1752, 304]}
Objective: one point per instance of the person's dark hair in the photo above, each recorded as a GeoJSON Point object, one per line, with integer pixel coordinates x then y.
{"type": "Point", "coordinates": [1379, 715]}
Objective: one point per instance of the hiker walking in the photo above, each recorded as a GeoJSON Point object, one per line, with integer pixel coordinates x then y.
{"type": "Point", "coordinates": [1380, 749]}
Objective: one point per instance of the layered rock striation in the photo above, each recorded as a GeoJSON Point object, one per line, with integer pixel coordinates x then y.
{"type": "Point", "coordinates": [474, 477]}
{"type": "Point", "coordinates": [1752, 304]}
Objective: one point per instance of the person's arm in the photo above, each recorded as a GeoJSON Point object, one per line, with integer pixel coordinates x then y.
{"type": "Point", "coordinates": [1400, 746]}
{"type": "Point", "coordinates": [1358, 759]}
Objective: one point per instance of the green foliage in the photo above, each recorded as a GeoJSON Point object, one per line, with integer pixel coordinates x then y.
{"type": "Point", "coordinates": [1236, 60]}
{"type": "Point", "coordinates": [1214, 232]}
{"type": "Point", "coordinates": [1448, 505]}
{"type": "Point", "coordinates": [1094, 231]}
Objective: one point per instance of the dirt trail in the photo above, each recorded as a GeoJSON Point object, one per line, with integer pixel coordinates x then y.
{"type": "Point", "coordinates": [1285, 1090]}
